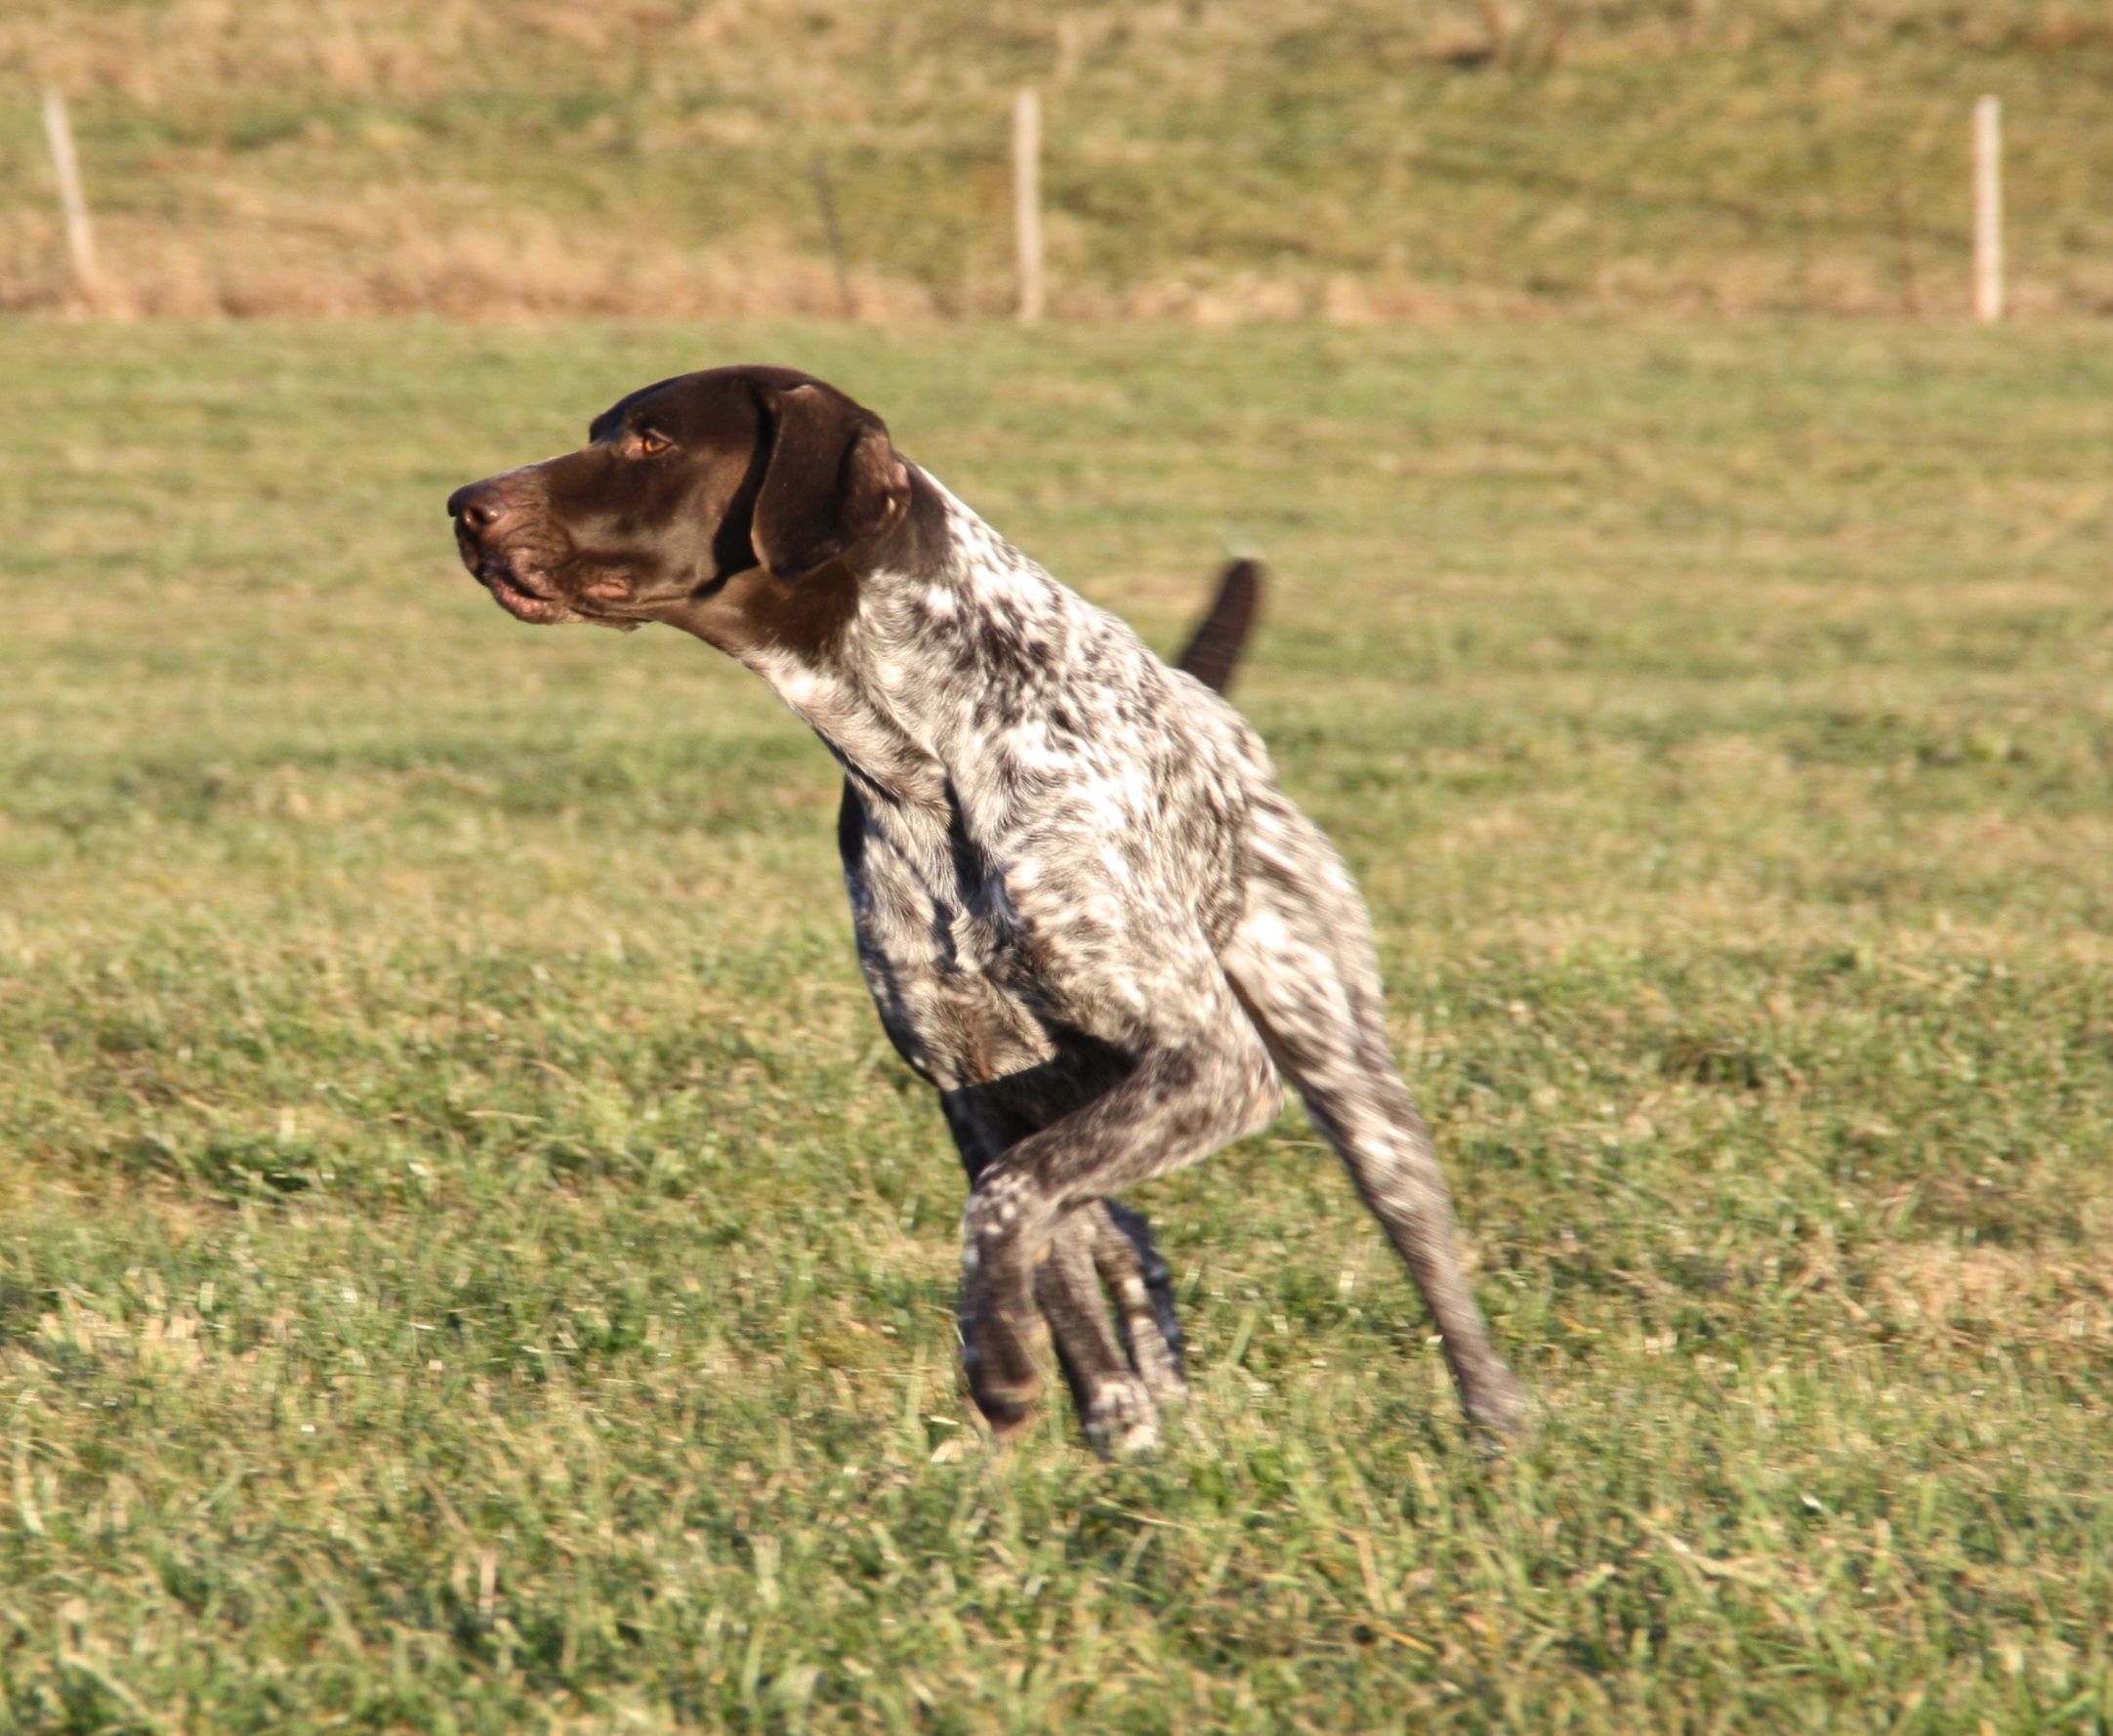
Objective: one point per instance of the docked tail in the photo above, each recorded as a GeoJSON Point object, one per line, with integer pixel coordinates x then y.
{"type": "Point", "coordinates": [1221, 634]}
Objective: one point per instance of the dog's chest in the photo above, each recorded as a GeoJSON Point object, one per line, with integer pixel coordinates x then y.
{"type": "Point", "coordinates": [950, 971]}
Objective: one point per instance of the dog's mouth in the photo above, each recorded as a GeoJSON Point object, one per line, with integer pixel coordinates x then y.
{"type": "Point", "coordinates": [517, 599]}
{"type": "Point", "coordinates": [496, 573]}
{"type": "Point", "coordinates": [515, 570]}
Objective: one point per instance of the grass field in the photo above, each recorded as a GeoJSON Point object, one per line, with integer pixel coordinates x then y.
{"type": "Point", "coordinates": [471, 1262]}
{"type": "Point", "coordinates": [1211, 160]}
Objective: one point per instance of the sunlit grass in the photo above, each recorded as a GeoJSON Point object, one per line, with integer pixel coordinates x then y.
{"type": "Point", "coordinates": [473, 1262]}
{"type": "Point", "coordinates": [1260, 159]}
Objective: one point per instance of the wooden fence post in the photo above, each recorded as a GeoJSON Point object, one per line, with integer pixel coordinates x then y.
{"type": "Point", "coordinates": [1028, 203]}
{"type": "Point", "coordinates": [73, 202]}
{"type": "Point", "coordinates": [1988, 210]}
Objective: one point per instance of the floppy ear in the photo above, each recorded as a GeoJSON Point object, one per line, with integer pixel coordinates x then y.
{"type": "Point", "coordinates": [834, 481]}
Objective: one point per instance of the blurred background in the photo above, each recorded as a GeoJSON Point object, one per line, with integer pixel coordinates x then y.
{"type": "Point", "coordinates": [1215, 160]}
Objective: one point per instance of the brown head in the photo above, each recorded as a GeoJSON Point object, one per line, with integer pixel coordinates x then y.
{"type": "Point", "coordinates": [731, 502]}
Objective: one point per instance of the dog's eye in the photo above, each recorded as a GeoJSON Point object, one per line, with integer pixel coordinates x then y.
{"type": "Point", "coordinates": [653, 445]}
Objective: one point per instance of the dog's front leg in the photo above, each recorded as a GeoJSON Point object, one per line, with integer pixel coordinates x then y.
{"type": "Point", "coordinates": [1179, 1102]}
{"type": "Point", "coordinates": [1119, 1419]}
{"type": "Point", "coordinates": [1136, 1275]}
{"type": "Point", "coordinates": [1006, 1231]}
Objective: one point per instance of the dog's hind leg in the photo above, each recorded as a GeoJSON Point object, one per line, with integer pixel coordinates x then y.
{"type": "Point", "coordinates": [1301, 962]}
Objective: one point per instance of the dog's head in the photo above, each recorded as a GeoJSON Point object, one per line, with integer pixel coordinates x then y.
{"type": "Point", "coordinates": [682, 487]}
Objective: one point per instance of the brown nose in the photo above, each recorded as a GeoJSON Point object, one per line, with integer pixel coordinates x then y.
{"type": "Point", "coordinates": [479, 506]}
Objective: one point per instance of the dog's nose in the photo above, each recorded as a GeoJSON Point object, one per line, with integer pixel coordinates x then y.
{"type": "Point", "coordinates": [479, 505]}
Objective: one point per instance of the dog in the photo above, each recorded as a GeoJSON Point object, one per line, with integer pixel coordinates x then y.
{"type": "Point", "coordinates": [1085, 910]}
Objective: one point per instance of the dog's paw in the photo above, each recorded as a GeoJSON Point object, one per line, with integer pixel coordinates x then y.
{"type": "Point", "coordinates": [1007, 1422]}
{"type": "Point", "coordinates": [1498, 1406]}
{"type": "Point", "coordinates": [1008, 1408]}
{"type": "Point", "coordinates": [1122, 1422]}
{"type": "Point", "coordinates": [1157, 1365]}
{"type": "Point", "coordinates": [999, 1362]}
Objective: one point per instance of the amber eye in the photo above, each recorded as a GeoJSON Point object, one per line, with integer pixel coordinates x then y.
{"type": "Point", "coordinates": [653, 445]}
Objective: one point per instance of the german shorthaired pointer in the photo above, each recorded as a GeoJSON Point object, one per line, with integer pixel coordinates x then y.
{"type": "Point", "coordinates": [1087, 913]}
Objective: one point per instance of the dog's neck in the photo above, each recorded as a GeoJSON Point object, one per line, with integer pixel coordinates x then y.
{"type": "Point", "coordinates": [921, 657]}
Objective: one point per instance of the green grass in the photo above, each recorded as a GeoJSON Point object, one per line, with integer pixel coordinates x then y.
{"type": "Point", "coordinates": [471, 1263]}
{"type": "Point", "coordinates": [1243, 158]}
